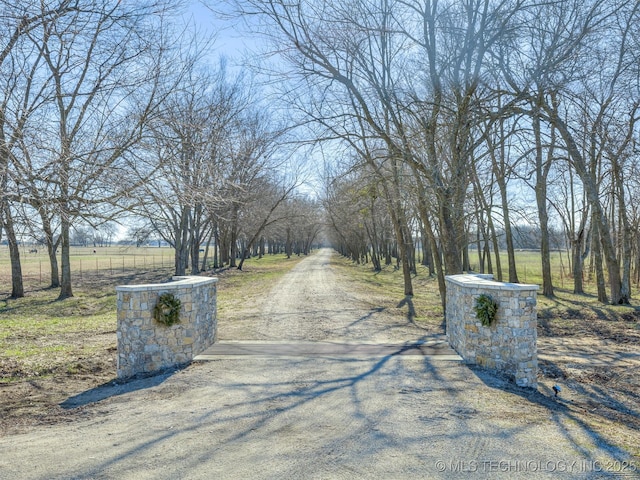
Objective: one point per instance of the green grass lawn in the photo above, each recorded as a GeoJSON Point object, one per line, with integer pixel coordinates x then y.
{"type": "Point", "coordinates": [40, 336]}
{"type": "Point", "coordinates": [51, 350]}
{"type": "Point", "coordinates": [386, 289]}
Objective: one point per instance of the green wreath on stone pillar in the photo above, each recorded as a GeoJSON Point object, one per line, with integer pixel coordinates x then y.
{"type": "Point", "coordinates": [486, 309]}
{"type": "Point", "coordinates": [167, 309]}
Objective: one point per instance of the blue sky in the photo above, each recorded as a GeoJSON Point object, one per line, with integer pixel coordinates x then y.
{"type": "Point", "coordinates": [231, 41]}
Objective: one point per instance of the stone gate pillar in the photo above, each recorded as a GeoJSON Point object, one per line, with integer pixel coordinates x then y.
{"type": "Point", "coordinates": [509, 344]}
{"type": "Point", "coordinates": [144, 345]}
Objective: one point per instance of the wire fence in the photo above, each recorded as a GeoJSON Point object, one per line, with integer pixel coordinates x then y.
{"type": "Point", "coordinates": [108, 262]}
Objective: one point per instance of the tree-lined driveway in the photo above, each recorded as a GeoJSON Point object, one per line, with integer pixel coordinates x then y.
{"type": "Point", "coordinates": [325, 416]}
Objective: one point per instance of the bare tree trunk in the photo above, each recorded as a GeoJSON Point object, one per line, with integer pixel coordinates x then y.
{"type": "Point", "coordinates": [371, 233]}
{"type": "Point", "coordinates": [17, 287]}
{"type": "Point", "coordinates": [52, 248]}
{"type": "Point", "coordinates": [442, 284]}
{"type": "Point", "coordinates": [400, 227]}
{"type": "Point", "coordinates": [398, 221]}
{"type": "Point", "coordinates": [542, 172]}
{"type": "Point", "coordinates": [216, 247]}
{"type": "Point", "coordinates": [450, 246]}
{"type": "Point", "coordinates": [65, 285]}
{"type": "Point", "coordinates": [480, 251]}
{"type": "Point", "coordinates": [465, 256]}
{"type": "Point", "coordinates": [499, 168]}
{"type": "Point", "coordinates": [233, 238]}
{"type": "Point", "coordinates": [598, 215]}
{"type": "Point", "coordinates": [609, 251]}
{"type": "Point", "coordinates": [496, 248]}
{"type": "Point", "coordinates": [288, 243]}
{"type": "Point", "coordinates": [224, 246]}
{"type": "Point", "coordinates": [625, 232]}
{"type": "Point", "coordinates": [182, 244]}
{"type": "Point", "coordinates": [580, 251]}
{"type": "Point", "coordinates": [484, 206]}
{"type": "Point", "coordinates": [597, 256]}
{"type": "Point", "coordinates": [206, 251]}
{"type": "Point", "coordinates": [427, 252]}
{"type": "Point", "coordinates": [433, 247]}
{"type": "Point", "coordinates": [487, 252]}
{"type": "Point", "coordinates": [195, 232]}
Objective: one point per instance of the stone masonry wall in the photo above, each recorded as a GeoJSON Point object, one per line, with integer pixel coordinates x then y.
{"type": "Point", "coordinates": [509, 344]}
{"type": "Point", "coordinates": [145, 345]}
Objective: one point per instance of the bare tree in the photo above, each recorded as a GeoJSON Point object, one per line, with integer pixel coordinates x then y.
{"type": "Point", "coordinates": [565, 40]}
{"type": "Point", "coordinates": [95, 79]}
{"type": "Point", "coordinates": [408, 74]}
{"type": "Point", "coordinates": [186, 150]}
{"type": "Point", "coordinates": [17, 21]}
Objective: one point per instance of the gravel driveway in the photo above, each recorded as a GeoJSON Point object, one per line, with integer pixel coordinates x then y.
{"type": "Point", "coordinates": [316, 416]}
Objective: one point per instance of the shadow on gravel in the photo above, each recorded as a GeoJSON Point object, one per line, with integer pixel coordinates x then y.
{"type": "Point", "coordinates": [114, 388]}
{"type": "Point", "coordinates": [407, 301]}
{"type": "Point", "coordinates": [268, 401]}
{"type": "Point", "coordinates": [561, 412]}
{"type": "Point", "coordinates": [411, 310]}
{"type": "Point", "coordinates": [266, 407]}
{"type": "Point", "coordinates": [363, 319]}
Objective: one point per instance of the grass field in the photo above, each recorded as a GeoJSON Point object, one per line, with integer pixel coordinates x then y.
{"type": "Point", "coordinates": [50, 350]}
{"type": "Point", "coordinates": [116, 261]}
{"type": "Point", "coordinates": [602, 397]}
{"type": "Point", "coordinates": [426, 301]}
{"type": "Point", "coordinates": [53, 350]}
{"type": "Point", "coordinates": [566, 304]}
{"type": "Point", "coordinates": [529, 269]}
{"type": "Point", "coordinates": [106, 261]}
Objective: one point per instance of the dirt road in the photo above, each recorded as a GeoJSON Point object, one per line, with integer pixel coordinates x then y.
{"type": "Point", "coordinates": [325, 417]}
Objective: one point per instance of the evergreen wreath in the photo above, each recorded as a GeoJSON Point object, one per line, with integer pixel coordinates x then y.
{"type": "Point", "coordinates": [485, 308]}
{"type": "Point", "coordinates": [167, 309]}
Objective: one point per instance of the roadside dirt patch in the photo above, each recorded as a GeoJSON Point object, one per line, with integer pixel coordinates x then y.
{"type": "Point", "coordinates": [35, 400]}
{"type": "Point", "coordinates": [31, 388]}
{"type": "Point", "coordinates": [598, 377]}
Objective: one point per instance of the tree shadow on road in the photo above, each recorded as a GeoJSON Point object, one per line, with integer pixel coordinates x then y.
{"type": "Point", "coordinates": [265, 408]}
{"type": "Point", "coordinates": [114, 388]}
{"type": "Point", "coordinates": [266, 401]}
{"type": "Point", "coordinates": [411, 309]}
{"type": "Point", "coordinates": [407, 301]}
{"type": "Point", "coordinates": [572, 419]}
